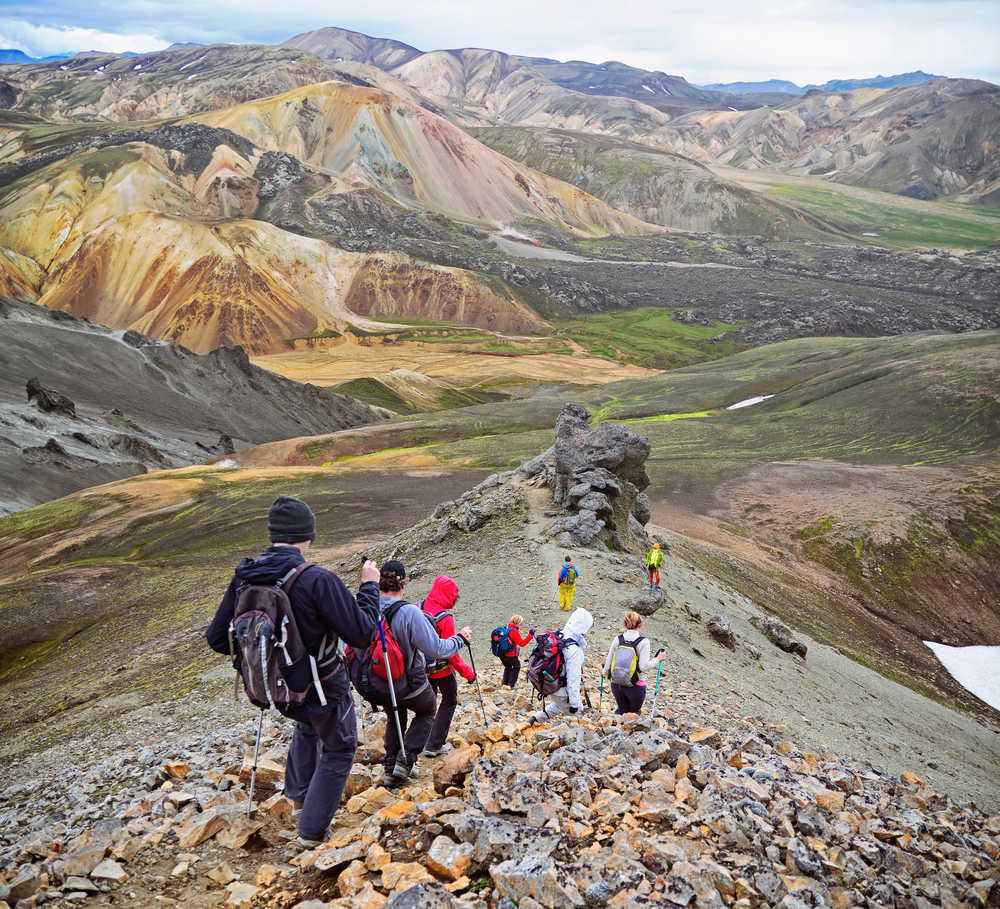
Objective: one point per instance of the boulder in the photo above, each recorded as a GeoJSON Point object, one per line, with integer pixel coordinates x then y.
{"type": "Point", "coordinates": [449, 859]}
{"type": "Point", "coordinates": [646, 602]}
{"type": "Point", "coordinates": [423, 896]}
{"type": "Point", "coordinates": [455, 766]}
{"type": "Point", "coordinates": [25, 883]}
{"type": "Point", "coordinates": [640, 509]}
{"type": "Point", "coordinates": [779, 634]}
{"type": "Point", "coordinates": [721, 630]}
{"type": "Point", "coordinates": [535, 878]}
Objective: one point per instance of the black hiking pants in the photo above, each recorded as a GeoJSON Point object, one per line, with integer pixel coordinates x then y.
{"type": "Point", "coordinates": [415, 734]}
{"type": "Point", "coordinates": [447, 687]}
{"type": "Point", "coordinates": [320, 759]}
{"type": "Point", "coordinates": [629, 698]}
{"type": "Point", "coordinates": [511, 670]}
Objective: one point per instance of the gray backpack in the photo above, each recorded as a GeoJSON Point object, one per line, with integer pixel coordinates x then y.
{"type": "Point", "coordinates": [625, 661]}
{"type": "Point", "coordinates": [264, 642]}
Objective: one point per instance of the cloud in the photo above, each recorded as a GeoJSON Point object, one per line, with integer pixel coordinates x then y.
{"type": "Point", "coordinates": [728, 39]}
{"type": "Point", "coordinates": [45, 40]}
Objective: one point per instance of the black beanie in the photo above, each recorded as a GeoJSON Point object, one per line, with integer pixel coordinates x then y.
{"type": "Point", "coordinates": [290, 520]}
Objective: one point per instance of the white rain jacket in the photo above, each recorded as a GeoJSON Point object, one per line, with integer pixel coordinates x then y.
{"type": "Point", "coordinates": [577, 625]}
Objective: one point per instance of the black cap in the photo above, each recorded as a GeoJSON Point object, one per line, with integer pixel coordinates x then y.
{"type": "Point", "coordinates": [290, 520]}
{"type": "Point", "coordinates": [394, 568]}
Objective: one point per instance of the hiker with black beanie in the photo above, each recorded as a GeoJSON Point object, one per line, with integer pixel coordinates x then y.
{"type": "Point", "coordinates": [326, 736]}
{"type": "Point", "coordinates": [417, 639]}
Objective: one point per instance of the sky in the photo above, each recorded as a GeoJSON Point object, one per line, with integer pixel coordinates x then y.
{"type": "Point", "coordinates": [727, 40]}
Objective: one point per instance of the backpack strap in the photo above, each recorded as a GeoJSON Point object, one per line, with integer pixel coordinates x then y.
{"type": "Point", "coordinates": [436, 619]}
{"type": "Point", "coordinates": [392, 609]}
{"type": "Point", "coordinates": [292, 576]}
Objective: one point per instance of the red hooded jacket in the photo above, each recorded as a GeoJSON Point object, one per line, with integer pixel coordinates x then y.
{"type": "Point", "coordinates": [442, 598]}
{"type": "Point", "coordinates": [516, 639]}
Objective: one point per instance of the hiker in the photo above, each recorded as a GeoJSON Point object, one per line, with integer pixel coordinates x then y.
{"type": "Point", "coordinates": [511, 663]}
{"type": "Point", "coordinates": [438, 608]}
{"type": "Point", "coordinates": [567, 583]}
{"type": "Point", "coordinates": [566, 698]}
{"type": "Point", "coordinates": [326, 736]}
{"type": "Point", "coordinates": [628, 658]}
{"type": "Point", "coordinates": [416, 638]}
{"type": "Point", "coordinates": [654, 560]}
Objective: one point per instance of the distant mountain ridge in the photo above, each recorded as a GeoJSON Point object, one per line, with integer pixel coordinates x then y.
{"type": "Point", "coordinates": [13, 55]}
{"type": "Point", "coordinates": [832, 85]}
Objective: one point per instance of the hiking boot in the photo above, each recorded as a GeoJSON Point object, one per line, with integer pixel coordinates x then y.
{"type": "Point", "coordinates": [401, 772]}
{"type": "Point", "coordinates": [435, 752]}
{"type": "Point", "coordinates": [303, 843]}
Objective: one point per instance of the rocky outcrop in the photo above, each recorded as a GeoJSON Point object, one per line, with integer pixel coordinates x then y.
{"type": "Point", "coordinates": [48, 400]}
{"type": "Point", "coordinates": [597, 475]}
{"type": "Point", "coordinates": [720, 627]}
{"type": "Point", "coordinates": [388, 287]}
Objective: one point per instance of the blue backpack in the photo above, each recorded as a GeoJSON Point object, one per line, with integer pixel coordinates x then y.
{"type": "Point", "coordinates": [500, 640]}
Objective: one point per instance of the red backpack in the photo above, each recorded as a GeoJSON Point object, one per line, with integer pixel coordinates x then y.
{"type": "Point", "coordinates": [370, 669]}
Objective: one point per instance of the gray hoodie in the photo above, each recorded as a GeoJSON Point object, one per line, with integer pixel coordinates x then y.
{"type": "Point", "coordinates": [418, 638]}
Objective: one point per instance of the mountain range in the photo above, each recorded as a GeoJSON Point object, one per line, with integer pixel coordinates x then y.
{"type": "Point", "coordinates": [831, 85]}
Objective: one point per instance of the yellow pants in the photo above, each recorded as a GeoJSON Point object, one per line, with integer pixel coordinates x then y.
{"type": "Point", "coordinates": [566, 592]}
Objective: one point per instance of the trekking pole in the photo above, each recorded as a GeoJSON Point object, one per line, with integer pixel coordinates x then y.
{"type": "Point", "coordinates": [253, 771]}
{"type": "Point", "coordinates": [362, 720]}
{"type": "Point", "coordinates": [656, 691]}
{"type": "Point", "coordinates": [600, 700]}
{"type": "Point", "coordinates": [392, 687]}
{"type": "Point", "coordinates": [472, 660]}
{"type": "Point", "coordinates": [586, 694]}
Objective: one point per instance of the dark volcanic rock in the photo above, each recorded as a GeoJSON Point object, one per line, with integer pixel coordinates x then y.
{"type": "Point", "coordinates": [779, 634]}
{"type": "Point", "coordinates": [190, 406]}
{"type": "Point", "coordinates": [48, 400]}
{"type": "Point", "coordinates": [277, 171]}
{"type": "Point", "coordinates": [646, 602]}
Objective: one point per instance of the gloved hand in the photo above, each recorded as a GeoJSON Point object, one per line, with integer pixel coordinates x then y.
{"type": "Point", "coordinates": [531, 631]}
{"type": "Point", "coordinates": [469, 676]}
{"type": "Point", "coordinates": [574, 710]}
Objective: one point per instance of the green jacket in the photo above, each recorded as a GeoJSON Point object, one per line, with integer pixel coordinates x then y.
{"type": "Point", "coordinates": [655, 558]}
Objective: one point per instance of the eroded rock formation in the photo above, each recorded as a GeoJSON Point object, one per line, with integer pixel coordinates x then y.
{"type": "Point", "coordinates": [597, 475]}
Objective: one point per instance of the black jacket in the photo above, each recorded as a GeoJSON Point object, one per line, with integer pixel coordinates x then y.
{"type": "Point", "coordinates": [323, 607]}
